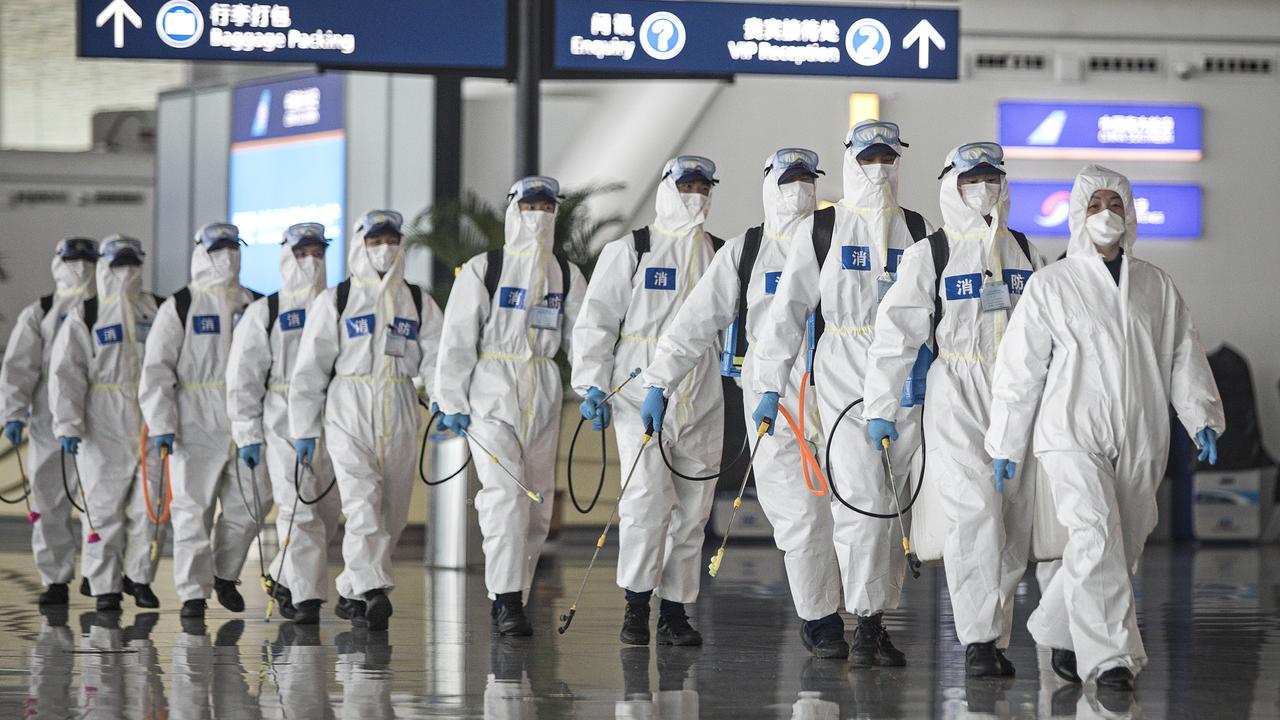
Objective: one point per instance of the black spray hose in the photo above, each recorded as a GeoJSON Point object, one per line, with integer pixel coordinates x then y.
{"type": "Point", "coordinates": [604, 458]}
{"type": "Point", "coordinates": [88, 519]}
{"type": "Point", "coordinates": [662, 450]}
{"type": "Point", "coordinates": [831, 478]}
{"type": "Point", "coordinates": [71, 497]}
{"type": "Point", "coordinates": [422, 452]}
{"type": "Point", "coordinates": [297, 484]}
{"type": "Point", "coordinates": [26, 486]}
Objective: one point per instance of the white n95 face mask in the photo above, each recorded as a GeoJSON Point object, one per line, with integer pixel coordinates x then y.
{"type": "Point", "coordinates": [797, 198]}
{"type": "Point", "coordinates": [1105, 228]}
{"type": "Point", "coordinates": [69, 274]}
{"type": "Point", "coordinates": [879, 173]}
{"type": "Point", "coordinates": [225, 262]}
{"type": "Point", "coordinates": [697, 206]}
{"type": "Point", "coordinates": [980, 197]}
{"type": "Point", "coordinates": [311, 267]}
{"type": "Point", "coordinates": [537, 222]}
{"type": "Point", "coordinates": [382, 257]}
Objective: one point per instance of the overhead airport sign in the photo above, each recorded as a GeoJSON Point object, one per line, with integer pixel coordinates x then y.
{"type": "Point", "coordinates": [1165, 210]}
{"type": "Point", "coordinates": [1100, 131]}
{"type": "Point", "coordinates": [664, 38]}
{"type": "Point", "coordinates": [418, 35]}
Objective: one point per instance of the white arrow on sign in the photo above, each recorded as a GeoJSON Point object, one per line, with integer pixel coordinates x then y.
{"type": "Point", "coordinates": [925, 34]}
{"type": "Point", "coordinates": [119, 11]}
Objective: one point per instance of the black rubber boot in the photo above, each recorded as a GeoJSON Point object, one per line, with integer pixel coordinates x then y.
{"type": "Point", "coordinates": [824, 637]}
{"type": "Point", "coordinates": [1117, 679]}
{"type": "Point", "coordinates": [108, 602]}
{"type": "Point", "coordinates": [980, 660]}
{"type": "Point", "coordinates": [346, 608]}
{"type": "Point", "coordinates": [142, 594]}
{"type": "Point", "coordinates": [55, 594]}
{"type": "Point", "coordinates": [377, 610]}
{"type": "Point", "coordinates": [1064, 665]}
{"type": "Point", "coordinates": [871, 646]}
{"type": "Point", "coordinates": [674, 627]}
{"type": "Point", "coordinates": [508, 616]}
{"type": "Point", "coordinates": [635, 623]}
{"type": "Point", "coordinates": [193, 609]}
{"type": "Point", "coordinates": [126, 585]}
{"type": "Point", "coordinates": [85, 590]}
{"type": "Point", "coordinates": [229, 596]}
{"type": "Point", "coordinates": [307, 612]}
{"type": "Point", "coordinates": [284, 600]}
{"type": "Point", "coordinates": [1006, 666]}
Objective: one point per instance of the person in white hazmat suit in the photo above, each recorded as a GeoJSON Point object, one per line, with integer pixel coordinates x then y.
{"type": "Point", "coordinates": [866, 233]}
{"type": "Point", "coordinates": [509, 312]}
{"type": "Point", "coordinates": [802, 522]}
{"type": "Point", "coordinates": [93, 391]}
{"type": "Point", "coordinates": [985, 269]}
{"type": "Point", "coordinates": [182, 392]}
{"type": "Point", "coordinates": [24, 401]}
{"type": "Point", "coordinates": [638, 285]}
{"type": "Point", "coordinates": [363, 344]}
{"type": "Point", "coordinates": [264, 349]}
{"type": "Point", "coordinates": [1101, 345]}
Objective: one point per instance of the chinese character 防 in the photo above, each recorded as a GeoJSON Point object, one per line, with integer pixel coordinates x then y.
{"type": "Point", "coordinates": [1015, 282]}
{"type": "Point", "coordinates": [109, 335]}
{"type": "Point", "coordinates": [601, 24]}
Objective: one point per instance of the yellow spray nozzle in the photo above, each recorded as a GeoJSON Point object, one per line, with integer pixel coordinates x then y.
{"type": "Point", "coordinates": [713, 567]}
{"type": "Point", "coordinates": [763, 429]}
{"type": "Point", "coordinates": [535, 496]}
{"type": "Point", "coordinates": [884, 443]}
{"type": "Point", "coordinates": [737, 503]}
{"type": "Point", "coordinates": [271, 603]}
{"type": "Point", "coordinates": [155, 551]}
{"type": "Point", "coordinates": [600, 542]}
{"type": "Point", "coordinates": [906, 546]}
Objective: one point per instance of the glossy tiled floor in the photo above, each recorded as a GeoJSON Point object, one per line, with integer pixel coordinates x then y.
{"type": "Point", "coordinates": [1209, 618]}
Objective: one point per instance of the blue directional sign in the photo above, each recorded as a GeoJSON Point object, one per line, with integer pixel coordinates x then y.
{"type": "Point", "coordinates": [664, 38]}
{"type": "Point", "coordinates": [1165, 210]}
{"type": "Point", "coordinates": [392, 34]}
{"type": "Point", "coordinates": [1102, 131]}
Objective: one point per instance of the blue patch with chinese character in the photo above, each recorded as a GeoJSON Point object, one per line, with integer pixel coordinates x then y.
{"type": "Point", "coordinates": [294, 319]}
{"type": "Point", "coordinates": [360, 325]}
{"type": "Point", "coordinates": [964, 287]}
{"type": "Point", "coordinates": [771, 282]}
{"type": "Point", "coordinates": [405, 328]}
{"type": "Point", "coordinates": [895, 257]}
{"type": "Point", "coordinates": [110, 334]}
{"type": "Point", "coordinates": [656, 278]}
{"type": "Point", "coordinates": [206, 324]}
{"type": "Point", "coordinates": [512, 297]}
{"type": "Point", "coordinates": [855, 257]}
{"type": "Point", "coordinates": [554, 300]}
{"type": "Point", "coordinates": [1016, 280]}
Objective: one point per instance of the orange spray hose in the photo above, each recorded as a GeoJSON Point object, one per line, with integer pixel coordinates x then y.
{"type": "Point", "coordinates": [158, 517]}
{"type": "Point", "coordinates": [809, 462]}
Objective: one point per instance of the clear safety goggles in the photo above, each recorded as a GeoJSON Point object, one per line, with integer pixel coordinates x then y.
{"type": "Point", "coordinates": [534, 188]}
{"type": "Point", "coordinates": [686, 168]}
{"type": "Point", "coordinates": [972, 155]}
{"type": "Point", "coordinates": [378, 222]}
{"type": "Point", "coordinates": [77, 248]}
{"type": "Point", "coordinates": [308, 233]}
{"type": "Point", "coordinates": [219, 236]}
{"type": "Point", "coordinates": [874, 132]}
{"type": "Point", "coordinates": [790, 162]}
{"type": "Point", "coordinates": [122, 250]}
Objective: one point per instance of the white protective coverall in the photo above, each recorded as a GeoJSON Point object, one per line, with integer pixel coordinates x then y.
{"type": "Point", "coordinates": [802, 522]}
{"type": "Point", "coordinates": [24, 397]}
{"type": "Point", "coordinates": [1093, 368]}
{"type": "Point", "coordinates": [498, 368]}
{"type": "Point", "coordinates": [989, 535]}
{"type": "Point", "coordinates": [868, 239]}
{"type": "Point", "coordinates": [93, 391]}
{"type": "Point", "coordinates": [629, 303]}
{"type": "Point", "coordinates": [363, 401]}
{"type": "Point", "coordinates": [183, 392]}
{"type": "Point", "coordinates": [258, 372]}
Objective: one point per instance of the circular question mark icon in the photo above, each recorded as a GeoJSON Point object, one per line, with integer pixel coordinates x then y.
{"type": "Point", "coordinates": [662, 35]}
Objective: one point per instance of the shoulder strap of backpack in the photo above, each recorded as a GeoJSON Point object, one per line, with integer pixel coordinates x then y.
{"type": "Point", "coordinates": [90, 312]}
{"type": "Point", "coordinates": [273, 309]}
{"type": "Point", "coordinates": [716, 243]}
{"type": "Point", "coordinates": [493, 271]}
{"type": "Point", "coordinates": [640, 240]}
{"type": "Point", "coordinates": [746, 263]}
{"type": "Point", "coordinates": [159, 299]}
{"type": "Point", "coordinates": [46, 304]}
{"type": "Point", "coordinates": [341, 293]}
{"type": "Point", "coordinates": [254, 294]}
{"type": "Point", "coordinates": [824, 226]}
{"type": "Point", "coordinates": [915, 224]}
{"type": "Point", "coordinates": [1024, 244]}
{"type": "Point", "coordinates": [182, 304]}
{"type": "Point", "coordinates": [940, 248]}
{"type": "Point", "coordinates": [563, 262]}
{"type": "Point", "coordinates": [416, 293]}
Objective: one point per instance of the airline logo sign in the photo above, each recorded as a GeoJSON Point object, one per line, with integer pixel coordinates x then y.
{"type": "Point", "coordinates": [1100, 131]}
{"type": "Point", "coordinates": [660, 37]}
{"type": "Point", "coordinates": [1165, 210]}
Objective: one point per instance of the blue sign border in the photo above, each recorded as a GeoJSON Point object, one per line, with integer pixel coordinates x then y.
{"type": "Point", "coordinates": [1018, 120]}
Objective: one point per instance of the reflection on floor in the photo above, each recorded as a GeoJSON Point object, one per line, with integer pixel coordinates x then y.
{"type": "Point", "coordinates": [1209, 618]}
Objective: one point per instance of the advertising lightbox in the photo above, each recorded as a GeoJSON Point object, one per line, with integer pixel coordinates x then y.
{"type": "Point", "coordinates": [1100, 131]}
{"type": "Point", "coordinates": [1165, 210]}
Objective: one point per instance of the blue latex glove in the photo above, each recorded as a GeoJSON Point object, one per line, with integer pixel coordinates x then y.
{"type": "Point", "coordinates": [1003, 470]}
{"type": "Point", "coordinates": [457, 422]}
{"type": "Point", "coordinates": [767, 409]}
{"type": "Point", "coordinates": [13, 432]}
{"type": "Point", "coordinates": [305, 449]}
{"type": "Point", "coordinates": [653, 408]}
{"type": "Point", "coordinates": [251, 455]}
{"type": "Point", "coordinates": [591, 407]}
{"type": "Point", "coordinates": [163, 441]}
{"type": "Point", "coordinates": [435, 408]}
{"type": "Point", "coordinates": [70, 445]}
{"type": "Point", "coordinates": [1207, 439]}
{"type": "Point", "coordinates": [878, 429]}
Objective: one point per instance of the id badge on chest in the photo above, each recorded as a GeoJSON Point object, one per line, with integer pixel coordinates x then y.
{"type": "Point", "coordinates": [883, 283]}
{"type": "Point", "coordinates": [141, 330]}
{"type": "Point", "coordinates": [544, 317]}
{"type": "Point", "coordinates": [995, 296]}
{"type": "Point", "coordinates": [396, 344]}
